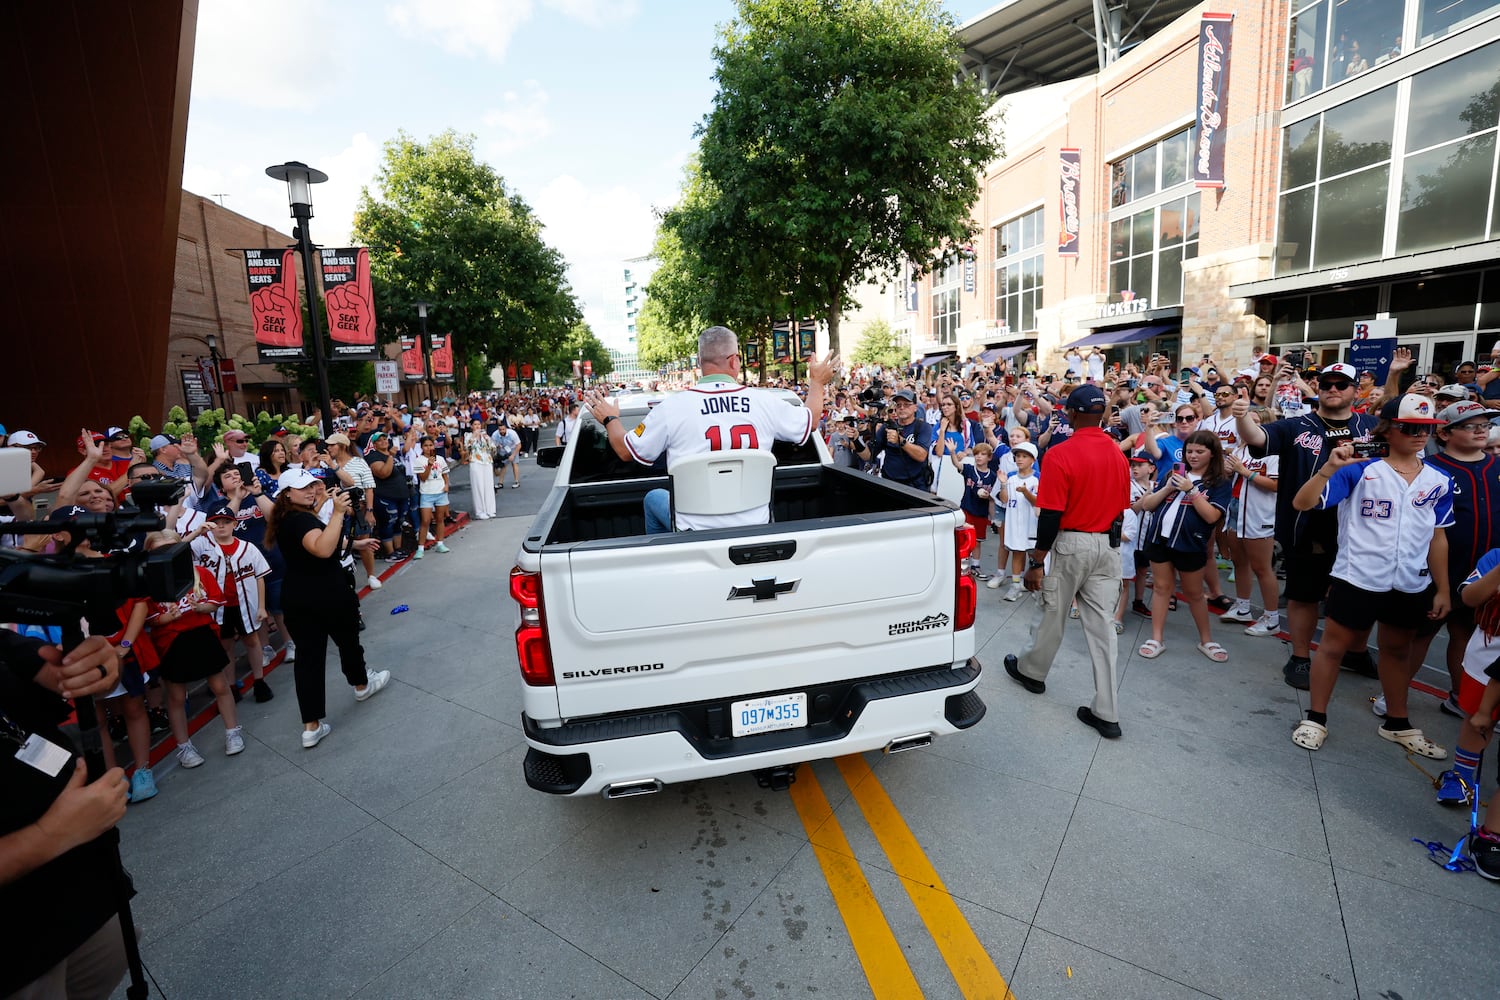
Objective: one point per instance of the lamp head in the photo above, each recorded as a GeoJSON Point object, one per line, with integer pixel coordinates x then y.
{"type": "Point", "coordinates": [299, 179]}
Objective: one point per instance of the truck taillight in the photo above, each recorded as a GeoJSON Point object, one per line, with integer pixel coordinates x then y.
{"type": "Point", "coordinates": [532, 651]}
{"type": "Point", "coordinates": [965, 590]}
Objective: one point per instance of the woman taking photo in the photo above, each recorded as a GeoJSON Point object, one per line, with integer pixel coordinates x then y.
{"type": "Point", "coordinates": [1181, 515]}
{"type": "Point", "coordinates": [479, 451]}
{"type": "Point", "coordinates": [1392, 563]}
{"type": "Point", "coordinates": [318, 598]}
{"type": "Point", "coordinates": [431, 470]}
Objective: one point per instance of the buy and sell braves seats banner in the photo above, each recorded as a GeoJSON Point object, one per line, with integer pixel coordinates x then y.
{"type": "Point", "coordinates": [1070, 176]}
{"type": "Point", "coordinates": [351, 307]}
{"type": "Point", "coordinates": [274, 310]}
{"type": "Point", "coordinates": [413, 368]}
{"type": "Point", "coordinates": [442, 357]}
{"type": "Point", "coordinates": [1215, 32]}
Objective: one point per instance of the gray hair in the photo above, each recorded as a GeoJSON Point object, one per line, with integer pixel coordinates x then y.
{"type": "Point", "coordinates": [717, 343]}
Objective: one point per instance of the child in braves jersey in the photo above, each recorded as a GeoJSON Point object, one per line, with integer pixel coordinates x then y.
{"type": "Point", "coordinates": [240, 572]}
{"type": "Point", "coordinates": [187, 642]}
{"type": "Point", "coordinates": [1479, 698]}
{"type": "Point", "coordinates": [1018, 493]}
{"type": "Point", "coordinates": [1391, 567]}
{"type": "Point", "coordinates": [979, 501]}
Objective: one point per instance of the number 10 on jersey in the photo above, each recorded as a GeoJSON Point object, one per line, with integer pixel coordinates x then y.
{"type": "Point", "coordinates": [740, 436]}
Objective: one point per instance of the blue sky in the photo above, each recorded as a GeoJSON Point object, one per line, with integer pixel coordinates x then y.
{"type": "Point", "coordinates": [585, 107]}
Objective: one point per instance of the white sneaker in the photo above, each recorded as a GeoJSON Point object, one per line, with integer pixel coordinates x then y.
{"type": "Point", "coordinates": [994, 582]}
{"type": "Point", "coordinates": [290, 649]}
{"type": "Point", "coordinates": [188, 755]}
{"type": "Point", "coordinates": [1238, 613]}
{"type": "Point", "coordinates": [1014, 592]}
{"type": "Point", "coordinates": [234, 741]}
{"type": "Point", "coordinates": [312, 739]}
{"type": "Point", "coordinates": [375, 681]}
{"type": "Point", "coordinates": [1378, 706]}
{"type": "Point", "coordinates": [1266, 625]}
{"type": "Point", "coordinates": [267, 654]}
{"type": "Point", "coordinates": [431, 537]}
{"type": "Point", "coordinates": [374, 583]}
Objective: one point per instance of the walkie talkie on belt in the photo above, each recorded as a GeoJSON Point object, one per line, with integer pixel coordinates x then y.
{"type": "Point", "coordinates": [1115, 529]}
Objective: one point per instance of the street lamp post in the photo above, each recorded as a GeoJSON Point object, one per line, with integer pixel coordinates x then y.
{"type": "Point", "coordinates": [299, 178]}
{"type": "Point", "coordinates": [426, 345]}
{"type": "Point", "coordinates": [213, 356]}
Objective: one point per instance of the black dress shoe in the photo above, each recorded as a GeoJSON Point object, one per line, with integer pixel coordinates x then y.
{"type": "Point", "coordinates": [1035, 687]}
{"type": "Point", "coordinates": [1109, 730]}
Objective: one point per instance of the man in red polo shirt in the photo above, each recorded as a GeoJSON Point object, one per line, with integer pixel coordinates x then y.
{"type": "Point", "coordinates": [1085, 488]}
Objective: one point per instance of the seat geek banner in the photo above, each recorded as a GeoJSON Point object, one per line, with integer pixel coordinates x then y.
{"type": "Point", "coordinates": [442, 357]}
{"type": "Point", "coordinates": [275, 312]}
{"type": "Point", "coordinates": [413, 366]}
{"type": "Point", "coordinates": [351, 307]}
{"type": "Point", "coordinates": [1215, 32]}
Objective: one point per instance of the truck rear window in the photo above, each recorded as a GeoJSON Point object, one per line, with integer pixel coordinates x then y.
{"type": "Point", "coordinates": [595, 461]}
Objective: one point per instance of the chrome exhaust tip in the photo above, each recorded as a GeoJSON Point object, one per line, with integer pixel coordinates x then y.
{"type": "Point", "coordinates": [914, 742]}
{"type": "Point", "coordinates": [625, 789]}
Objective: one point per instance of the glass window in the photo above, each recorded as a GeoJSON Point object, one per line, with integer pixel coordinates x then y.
{"type": "Point", "coordinates": [1174, 159]}
{"type": "Point", "coordinates": [1455, 98]}
{"type": "Point", "coordinates": [1439, 304]}
{"type": "Point", "coordinates": [1365, 34]}
{"type": "Point", "coordinates": [1358, 134]}
{"type": "Point", "coordinates": [1294, 253]}
{"type": "Point", "coordinates": [1147, 171]}
{"type": "Point", "coordinates": [1018, 271]}
{"type": "Point", "coordinates": [1350, 224]}
{"type": "Point", "coordinates": [1289, 320]}
{"type": "Point", "coordinates": [1119, 185]}
{"type": "Point", "coordinates": [1439, 192]}
{"type": "Point", "coordinates": [1331, 316]}
{"type": "Point", "coordinates": [1436, 18]}
{"type": "Point", "coordinates": [1119, 239]}
{"type": "Point", "coordinates": [1143, 173]}
{"type": "Point", "coordinates": [1300, 160]}
{"type": "Point", "coordinates": [1307, 39]}
{"type": "Point", "coordinates": [1489, 301]}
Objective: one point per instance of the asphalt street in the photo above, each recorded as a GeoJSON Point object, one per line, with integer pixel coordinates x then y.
{"type": "Point", "coordinates": [1202, 855]}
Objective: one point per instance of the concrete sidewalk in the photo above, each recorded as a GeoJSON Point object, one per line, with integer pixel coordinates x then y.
{"type": "Point", "coordinates": [1201, 855]}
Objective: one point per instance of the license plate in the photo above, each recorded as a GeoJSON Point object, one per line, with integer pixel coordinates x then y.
{"type": "Point", "coordinates": [765, 715]}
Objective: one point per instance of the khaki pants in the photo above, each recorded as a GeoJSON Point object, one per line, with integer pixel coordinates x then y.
{"type": "Point", "coordinates": [1086, 568]}
{"type": "Point", "coordinates": [91, 972]}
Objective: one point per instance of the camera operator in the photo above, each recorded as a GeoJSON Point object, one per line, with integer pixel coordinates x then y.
{"type": "Point", "coordinates": [905, 440]}
{"type": "Point", "coordinates": [58, 872]}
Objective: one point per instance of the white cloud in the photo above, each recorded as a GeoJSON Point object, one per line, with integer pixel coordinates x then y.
{"type": "Point", "coordinates": [595, 230]}
{"type": "Point", "coordinates": [272, 54]}
{"type": "Point", "coordinates": [463, 27]}
{"type": "Point", "coordinates": [520, 121]}
{"type": "Point", "coordinates": [595, 13]}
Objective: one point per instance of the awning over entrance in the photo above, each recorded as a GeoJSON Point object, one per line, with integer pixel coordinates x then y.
{"type": "Point", "coordinates": [1003, 353]}
{"type": "Point", "coordinates": [928, 360]}
{"type": "Point", "coordinates": [1125, 335]}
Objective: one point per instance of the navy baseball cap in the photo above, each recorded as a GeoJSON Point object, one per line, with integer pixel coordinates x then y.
{"type": "Point", "coordinates": [1086, 399]}
{"type": "Point", "coordinates": [905, 394]}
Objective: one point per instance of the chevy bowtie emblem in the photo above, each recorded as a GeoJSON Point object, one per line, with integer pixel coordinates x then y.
{"type": "Point", "coordinates": [763, 590]}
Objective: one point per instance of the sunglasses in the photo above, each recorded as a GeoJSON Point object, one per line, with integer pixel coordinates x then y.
{"type": "Point", "coordinates": [1414, 430]}
{"type": "Point", "coordinates": [1336, 385]}
{"type": "Point", "coordinates": [142, 479]}
{"type": "Point", "coordinates": [1186, 420]}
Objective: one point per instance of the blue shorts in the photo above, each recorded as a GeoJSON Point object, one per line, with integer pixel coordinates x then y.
{"type": "Point", "coordinates": [429, 500]}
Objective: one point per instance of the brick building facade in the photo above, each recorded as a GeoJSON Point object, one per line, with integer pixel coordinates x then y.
{"type": "Point", "coordinates": [209, 296]}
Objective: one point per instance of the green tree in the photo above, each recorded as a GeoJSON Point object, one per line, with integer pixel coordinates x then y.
{"type": "Point", "coordinates": [658, 340]}
{"type": "Point", "coordinates": [579, 345]}
{"type": "Point", "coordinates": [442, 228]}
{"type": "Point", "coordinates": [843, 142]}
{"type": "Point", "coordinates": [875, 347]}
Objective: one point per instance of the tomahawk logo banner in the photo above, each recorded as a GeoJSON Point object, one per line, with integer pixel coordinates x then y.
{"type": "Point", "coordinates": [413, 368]}
{"type": "Point", "coordinates": [1070, 171]}
{"type": "Point", "coordinates": [351, 307]}
{"type": "Point", "coordinates": [1215, 32]}
{"type": "Point", "coordinates": [274, 310]}
{"type": "Point", "coordinates": [442, 357]}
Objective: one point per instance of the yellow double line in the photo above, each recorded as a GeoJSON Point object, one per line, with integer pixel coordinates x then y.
{"type": "Point", "coordinates": [881, 955]}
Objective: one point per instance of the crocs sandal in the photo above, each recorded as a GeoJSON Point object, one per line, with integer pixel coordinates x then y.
{"type": "Point", "coordinates": [1309, 735]}
{"type": "Point", "coordinates": [1073, 612]}
{"type": "Point", "coordinates": [1414, 741]}
{"type": "Point", "coordinates": [1151, 649]}
{"type": "Point", "coordinates": [1172, 604]}
{"type": "Point", "coordinates": [1213, 651]}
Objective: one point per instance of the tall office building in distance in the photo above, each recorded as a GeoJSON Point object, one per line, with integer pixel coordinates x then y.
{"type": "Point", "coordinates": [625, 301]}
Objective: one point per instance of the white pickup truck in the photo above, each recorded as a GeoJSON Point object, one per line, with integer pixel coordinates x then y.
{"type": "Point", "coordinates": [845, 624]}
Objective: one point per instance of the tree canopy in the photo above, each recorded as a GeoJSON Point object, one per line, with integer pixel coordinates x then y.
{"type": "Point", "coordinates": [842, 143]}
{"type": "Point", "coordinates": [558, 363]}
{"type": "Point", "coordinates": [442, 228]}
{"type": "Point", "coordinates": [877, 347]}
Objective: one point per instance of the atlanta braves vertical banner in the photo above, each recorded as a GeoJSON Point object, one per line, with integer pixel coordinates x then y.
{"type": "Point", "coordinates": [413, 368]}
{"type": "Point", "coordinates": [807, 339]}
{"type": "Point", "coordinates": [781, 348]}
{"type": "Point", "coordinates": [1215, 32]}
{"type": "Point", "coordinates": [351, 307]}
{"type": "Point", "coordinates": [1070, 174]}
{"type": "Point", "coordinates": [442, 357]}
{"type": "Point", "coordinates": [274, 310]}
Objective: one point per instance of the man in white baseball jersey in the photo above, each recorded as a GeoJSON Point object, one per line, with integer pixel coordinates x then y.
{"type": "Point", "coordinates": [716, 414]}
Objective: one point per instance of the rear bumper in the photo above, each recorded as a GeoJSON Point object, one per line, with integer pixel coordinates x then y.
{"type": "Point", "coordinates": [689, 742]}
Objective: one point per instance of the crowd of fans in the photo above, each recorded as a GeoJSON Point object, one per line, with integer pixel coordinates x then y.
{"type": "Point", "coordinates": [381, 478]}
{"type": "Point", "coordinates": [1380, 504]}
